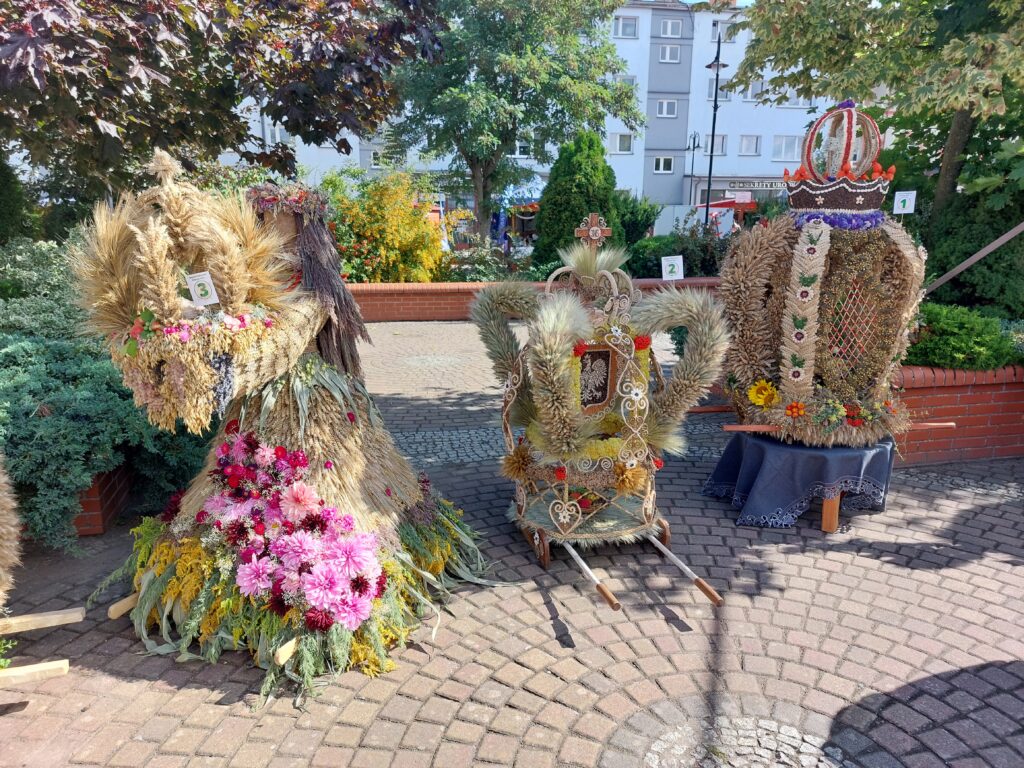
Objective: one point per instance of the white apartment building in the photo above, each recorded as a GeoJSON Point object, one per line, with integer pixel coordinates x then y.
{"type": "Point", "coordinates": [754, 142]}
{"type": "Point", "coordinates": [666, 47]}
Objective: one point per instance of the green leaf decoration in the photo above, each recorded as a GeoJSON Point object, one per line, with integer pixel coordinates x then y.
{"type": "Point", "coordinates": [798, 362]}
{"type": "Point", "coordinates": [147, 316]}
{"type": "Point", "coordinates": [799, 322]}
{"type": "Point", "coordinates": [808, 280]}
{"type": "Point", "coordinates": [813, 239]}
{"type": "Point", "coordinates": [131, 348]}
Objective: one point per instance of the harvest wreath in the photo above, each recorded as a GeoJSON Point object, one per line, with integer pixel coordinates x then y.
{"type": "Point", "coordinates": [307, 539]}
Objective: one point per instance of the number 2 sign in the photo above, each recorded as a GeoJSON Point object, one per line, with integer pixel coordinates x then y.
{"type": "Point", "coordinates": [672, 267]}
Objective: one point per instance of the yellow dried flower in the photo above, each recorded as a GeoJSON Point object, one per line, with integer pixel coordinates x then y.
{"type": "Point", "coordinates": [763, 393]}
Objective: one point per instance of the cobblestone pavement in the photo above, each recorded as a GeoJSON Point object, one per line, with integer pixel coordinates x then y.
{"type": "Point", "coordinates": [897, 641]}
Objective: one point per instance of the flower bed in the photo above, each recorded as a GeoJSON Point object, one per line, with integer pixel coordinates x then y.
{"type": "Point", "coordinates": [987, 406]}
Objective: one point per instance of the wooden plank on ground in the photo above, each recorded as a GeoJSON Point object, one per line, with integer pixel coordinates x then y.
{"type": "Point", "coordinates": [33, 672]}
{"type": "Point", "coordinates": [12, 624]}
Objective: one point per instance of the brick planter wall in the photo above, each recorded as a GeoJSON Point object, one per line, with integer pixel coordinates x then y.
{"type": "Point", "coordinates": [987, 406]}
{"type": "Point", "coordinates": [103, 501]}
{"type": "Point", "coordinates": [387, 302]}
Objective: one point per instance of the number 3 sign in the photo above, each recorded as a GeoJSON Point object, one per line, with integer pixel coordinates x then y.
{"type": "Point", "coordinates": [200, 285]}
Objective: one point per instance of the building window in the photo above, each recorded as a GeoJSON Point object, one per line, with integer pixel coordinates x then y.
{"type": "Point", "coordinates": [668, 108]}
{"type": "Point", "coordinates": [792, 100]}
{"type": "Point", "coordinates": [719, 144]}
{"type": "Point", "coordinates": [671, 27]}
{"type": "Point", "coordinates": [750, 145]}
{"type": "Point", "coordinates": [521, 149]}
{"type": "Point", "coordinates": [375, 159]}
{"type": "Point", "coordinates": [787, 147]}
{"type": "Point", "coordinates": [627, 79]}
{"type": "Point", "coordinates": [663, 165]}
{"type": "Point", "coordinates": [753, 91]}
{"type": "Point", "coordinates": [671, 54]}
{"type": "Point", "coordinates": [625, 26]}
{"type": "Point", "coordinates": [716, 195]}
{"type": "Point", "coordinates": [721, 28]}
{"type": "Point", "coordinates": [723, 95]}
{"type": "Point", "coordinates": [622, 143]}
{"type": "Point", "coordinates": [278, 135]}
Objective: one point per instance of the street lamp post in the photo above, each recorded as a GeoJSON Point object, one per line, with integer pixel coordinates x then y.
{"type": "Point", "coordinates": [692, 148]}
{"type": "Point", "coordinates": [717, 66]}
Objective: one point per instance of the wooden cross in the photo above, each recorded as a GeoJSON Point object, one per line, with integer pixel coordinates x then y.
{"type": "Point", "coordinates": [592, 231]}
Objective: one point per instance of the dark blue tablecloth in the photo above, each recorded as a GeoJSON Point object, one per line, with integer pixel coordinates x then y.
{"type": "Point", "coordinates": [772, 483]}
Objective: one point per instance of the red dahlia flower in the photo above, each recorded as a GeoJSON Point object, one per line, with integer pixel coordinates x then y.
{"type": "Point", "coordinates": [318, 620]}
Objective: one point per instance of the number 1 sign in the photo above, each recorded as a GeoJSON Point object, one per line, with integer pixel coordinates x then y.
{"type": "Point", "coordinates": [903, 202]}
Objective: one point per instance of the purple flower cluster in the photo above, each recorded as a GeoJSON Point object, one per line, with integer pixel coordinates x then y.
{"type": "Point", "coordinates": [853, 220]}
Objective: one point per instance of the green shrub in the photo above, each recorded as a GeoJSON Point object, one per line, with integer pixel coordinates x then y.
{"type": "Point", "coordinates": [64, 414]}
{"type": "Point", "coordinates": [1015, 330]}
{"type": "Point", "coordinates": [962, 229]}
{"type": "Point", "coordinates": [702, 251]}
{"type": "Point", "coordinates": [13, 215]}
{"type": "Point", "coordinates": [64, 417]}
{"type": "Point", "coordinates": [581, 182]}
{"type": "Point", "coordinates": [957, 337]}
{"type": "Point", "coordinates": [645, 255]}
{"type": "Point", "coordinates": [636, 215]}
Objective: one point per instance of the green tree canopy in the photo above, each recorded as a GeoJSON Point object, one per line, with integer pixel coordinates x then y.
{"type": "Point", "coordinates": [581, 182]}
{"type": "Point", "coordinates": [954, 59]}
{"type": "Point", "coordinates": [513, 70]}
{"type": "Point", "coordinates": [97, 83]}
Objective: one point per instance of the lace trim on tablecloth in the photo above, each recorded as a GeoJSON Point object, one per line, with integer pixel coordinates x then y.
{"type": "Point", "coordinates": [862, 493]}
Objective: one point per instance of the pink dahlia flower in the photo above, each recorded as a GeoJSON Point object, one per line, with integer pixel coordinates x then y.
{"type": "Point", "coordinates": [324, 587]}
{"type": "Point", "coordinates": [297, 500]}
{"type": "Point", "coordinates": [254, 577]}
{"type": "Point", "coordinates": [352, 610]}
{"type": "Point", "coordinates": [265, 455]}
{"type": "Point", "coordinates": [350, 555]}
{"type": "Point", "coordinates": [295, 549]}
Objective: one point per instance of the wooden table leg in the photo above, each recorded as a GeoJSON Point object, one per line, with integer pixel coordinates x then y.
{"type": "Point", "coordinates": [830, 514]}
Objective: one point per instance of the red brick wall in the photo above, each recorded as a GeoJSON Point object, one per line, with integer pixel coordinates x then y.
{"type": "Point", "coordinates": [987, 406]}
{"type": "Point", "coordinates": [102, 502]}
{"type": "Point", "coordinates": [385, 302]}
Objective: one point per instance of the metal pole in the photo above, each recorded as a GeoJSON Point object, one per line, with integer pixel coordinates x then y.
{"type": "Point", "coordinates": [601, 588]}
{"type": "Point", "coordinates": [714, 120]}
{"type": "Point", "coordinates": [698, 582]}
{"type": "Point", "coordinates": [695, 142]}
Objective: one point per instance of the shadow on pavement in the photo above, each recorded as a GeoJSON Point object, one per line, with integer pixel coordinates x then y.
{"type": "Point", "coordinates": [974, 715]}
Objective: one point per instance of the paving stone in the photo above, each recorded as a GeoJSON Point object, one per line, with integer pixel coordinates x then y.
{"type": "Point", "coordinates": [895, 641]}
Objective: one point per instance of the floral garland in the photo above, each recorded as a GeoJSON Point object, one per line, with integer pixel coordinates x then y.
{"type": "Point", "coordinates": [186, 370]}
{"type": "Point", "coordinates": [853, 220]}
{"type": "Point", "coordinates": [146, 326]}
{"type": "Point", "coordinates": [291, 198]}
{"type": "Point", "coordinates": [800, 316]}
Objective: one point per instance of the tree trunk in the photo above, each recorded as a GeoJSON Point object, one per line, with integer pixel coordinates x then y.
{"type": "Point", "coordinates": [481, 205]}
{"type": "Point", "coordinates": [960, 131]}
